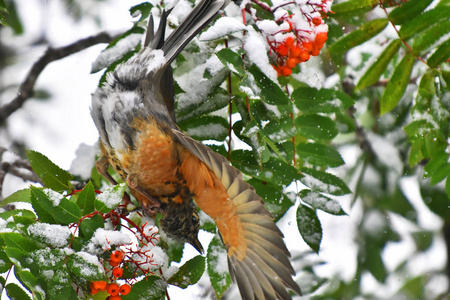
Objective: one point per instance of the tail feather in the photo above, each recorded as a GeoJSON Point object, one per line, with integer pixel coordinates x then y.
{"type": "Point", "coordinates": [260, 265]}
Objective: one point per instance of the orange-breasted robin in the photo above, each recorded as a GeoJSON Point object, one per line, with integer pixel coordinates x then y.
{"type": "Point", "coordinates": [165, 168]}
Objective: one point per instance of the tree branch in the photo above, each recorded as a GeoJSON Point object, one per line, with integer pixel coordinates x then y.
{"type": "Point", "coordinates": [26, 89]}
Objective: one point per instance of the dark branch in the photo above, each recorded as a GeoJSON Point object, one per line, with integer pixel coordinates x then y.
{"type": "Point", "coordinates": [52, 54]}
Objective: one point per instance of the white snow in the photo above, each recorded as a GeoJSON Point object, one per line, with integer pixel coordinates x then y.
{"type": "Point", "coordinates": [53, 234]}
{"type": "Point", "coordinates": [54, 197]}
{"type": "Point", "coordinates": [102, 240]}
{"type": "Point", "coordinates": [84, 160]}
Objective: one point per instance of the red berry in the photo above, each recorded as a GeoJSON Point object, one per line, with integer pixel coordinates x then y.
{"type": "Point", "coordinates": [282, 50]}
{"type": "Point", "coordinates": [113, 289]}
{"type": "Point", "coordinates": [304, 56]}
{"type": "Point", "coordinates": [315, 51]}
{"type": "Point", "coordinates": [295, 51]}
{"type": "Point", "coordinates": [286, 71]}
{"type": "Point", "coordinates": [116, 297]}
{"type": "Point", "coordinates": [116, 256]}
{"type": "Point", "coordinates": [117, 272]}
{"type": "Point", "coordinates": [278, 70]}
{"type": "Point", "coordinates": [99, 285]}
{"type": "Point", "coordinates": [307, 46]}
{"type": "Point", "coordinates": [289, 41]}
{"type": "Point", "coordinates": [291, 62]}
{"type": "Point", "coordinates": [321, 37]}
{"type": "Point", "coordinates": [317, 21]}
{"type": "Point", "coordinates": [125, 289]}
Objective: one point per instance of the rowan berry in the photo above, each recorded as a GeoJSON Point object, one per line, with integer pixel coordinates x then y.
{"type": "Point", "coordinates": [125, 289]}
{"type": "Point", "coordinates": [99, 285]}
{"type": "Point", "coordinates": [282, 50]}
{"type": "Point", "coordinates": [286, 71]}
{"type": "Point", "coordinates": [304, 56]}
{"type": "Point", "coordinates": [113, 289]}
{"type": "Point", "coordinates": [321, 38]}
{"type": "Point", "coordinates": [117, 272]}
{"type": "Point", "coordinates": [116, 297]}
{"type": "Point", "coordinates": [116, 256]}
{"type": "Point", "coordinates": [295, 51]}
{"type": "Point", "coordinates": [289, 41]}
{"type": "Point", "coordinates": [291, 62]}
{"type": "Point", "coordinates": [315, 51]}
{"type": "Point", "coordinates": [317, 21]}
{"type": "Point", "coordinates": [307, 46]}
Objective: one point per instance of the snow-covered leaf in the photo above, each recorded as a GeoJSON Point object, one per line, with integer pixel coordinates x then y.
{"type": "Point", "coordinates": [309, 226]}
{"type": "Point", "coordinates": [15, 292]}
{"type": "Point", "coordinates": [86, 198]}
{"type": "Point", "coordinates": [316, 127]}
{"type": "Point", "coordinates": [189, 273]}
{"type": "Point", "coordinates": [150, 288]}
{"type": "Point", "coordinates": [110, 199]}
{"type": "Point", "coordinates": [319, 155]}
{"type": "Point", "coordinates": [319, 201]}
{"type": "Point", "coordinates": [86, 266]}
{"type": "Point", "coordinates": [217, 262]}
{"type": "Point", "coordinates": [324, 182]}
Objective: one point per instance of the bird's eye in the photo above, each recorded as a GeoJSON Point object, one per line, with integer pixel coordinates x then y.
{"type": "Point", "coordinates": [194, 218]}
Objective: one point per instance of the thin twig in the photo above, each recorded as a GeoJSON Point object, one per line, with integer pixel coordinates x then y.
{"type": "Point", "coordinates": [26, 89]}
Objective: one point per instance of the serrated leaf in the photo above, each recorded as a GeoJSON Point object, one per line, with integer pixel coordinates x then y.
{"type": "Point", "coordinates": [231, 60]}
{"type": "Point", "coordinates": [18, 241]}
{"type": "Point", "coordinates": [217, 261]}
{"type": "Point", "coordinates": [316, 127]}
{"type": "Point", "coordinates": [21, 212]}
{"type": "Point", "coordinates": [424, 21]}
{"type": "Point", "coordinates": [397, 84]}
{"type": "Point", "coordinates": [270, 92]}
{"type": "Point", "coordinates": [309, 227]}
{"type": "Point", "coordinates": [5, 262]}
{"type": "Point", "coordinates": [30, 281]}
{"type": "Point", "coordinates": [86, 266]}
{"type": "Point", "coordinates": [441, 55]}
{"type": "Point", "coordinates": [355, 38]}
{"type": "Point", "coordinates": [374, 72]}
{"type": "Point", "coordinates": [60, 286]}
{"type": "Point", "coordinates": [324, 182]}
{"type": "Point", "coordinates": [206, 128]}
{"type": "Point", "coordinates": [430, 36]}
{"type": "Point", "coordinates": [47, 259]}
{"type": "Point", "coordinates": [311, 100]}
{"type": "Point", "coordinates": [15, 292]}
{"type": "Point", "coordinates": [144, 9]}
{"type": "Point", "coordinates": [408, 10]}
{"type": "Point", "coordinates": [437, 168]}
{"type": "Point", "coordinates": [319, 201]}
{"type": "Point", "coordinates": [319, 155]}
{"type": "Point", "coordinates": [189, 273]}
{"type": "Point", "coordinates": [151, 288]}
{"type": "Point", "coordinates": [353, 7]}
{"type": "Point", "coordinates": [18, 196]}
{"type": "Point", "coordinates": [52, 176]}
{"type": "Point", "coordinates": [86, 198]}
{"type": "Point", "coordinates": [110, 199]}
{"type": "Point", "coordinates": [41, 211]}
{"type": "Point", "coordinates": [65, 212]}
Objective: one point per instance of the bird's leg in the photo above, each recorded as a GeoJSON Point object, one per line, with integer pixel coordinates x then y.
{"type": "Point", "coordinates": [102, 165]}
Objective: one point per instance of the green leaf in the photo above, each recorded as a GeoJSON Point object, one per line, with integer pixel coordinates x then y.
{"type": "Point", "coordinates": [86, 266]}
{"type": "Point", "coordinates": [324, 182]}
{"type": "Point", "coordinates": [18, 196]}
{"type": "Point", "coordinates": [143, 9]}
{"type": "Point", "coordinates": [374, 262]}
{"type": "Point", "coordinates": [41, 211]}
{"type": "Point", "coordinates": [15, 292]}
{"type": "Point", "coordinates": [64, 211]}
{"type": "Point", "coordinates": [319, 201]}
{"type": "Point", "coordinates": [397, 84]}
{"type": "Point", "coordinates": [353, 7]}
{"type": "Point", "coordinates": [429, 37]}
{"type": "Point", "coordinates": [5, 262]}
{"type": "Point", "coordinates": [18, 212]}
{"type": "Point", "coordinates": [319, 155]}
{"type": "Point", "coordinates": [437, 168]}
{"type": "Point", "coordinates": [437, 201]}
{"type": "Point", "coordinates": [374, 72]}
{"type": "Point", "coordinates": [408, 11]}
{"type": "Point", "coordinates": [110, 199]}
{"type": "Point", "coordinates": [309, 227]}
{"type": "Point", "coordinates": [206, 128]}
{"type": "Point", "coordinates": [441, 55]}
{"type": "Point", "coordinates": [423, 239]}
{"type": "Point", "coordinates": [189, 273]}
{"type": "Point", "coordinates": [269, 92]}
{"type": "Point", "coordinates": [47, 259]}
{"type": "Point", "coordinates": [355, 38]}
{"type": "Point", "coordinates": [150, 288]}
{"type": "Point", "coordinates": [316, 127]}
{"type": "Point", "coordinates": [60, 286]}
{"type": "Point", "coordinates": [30, 281]}
{"type": "Point", "coordinates": [18, 241]}
{"type": "Point", "coordinates": [217, 261]}
{"type": "Point", "coordinates": [89, 225]}
{"type": "Point", "coordinates": [424, 21]}
{"type": "Point", "coordinates": [86, 198]}
{"type": "Point", "coordinates": [311, 100]}
{"type": "Point", "coordinates": [52, 176]}
{"type": "Point", "coordinates": [231, 60]}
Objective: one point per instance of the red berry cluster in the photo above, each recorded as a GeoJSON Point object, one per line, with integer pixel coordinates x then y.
{"type": "Point", "coordinates": [113, 289]}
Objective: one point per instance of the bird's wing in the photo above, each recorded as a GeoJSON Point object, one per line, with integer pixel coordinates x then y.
{"type": "Point", "coordinates": [264, 271]}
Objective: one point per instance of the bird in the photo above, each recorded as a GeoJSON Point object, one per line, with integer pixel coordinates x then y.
{"type": "Point", "coordinates": [169, 172]}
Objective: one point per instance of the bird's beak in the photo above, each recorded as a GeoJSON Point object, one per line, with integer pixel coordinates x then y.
{"type": "Point", "coordinates": [197, 245]}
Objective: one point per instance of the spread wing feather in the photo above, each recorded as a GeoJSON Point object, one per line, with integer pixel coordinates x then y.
{"type": "Point", "coordinates": [265, 272]}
